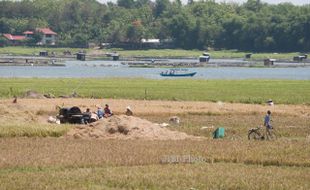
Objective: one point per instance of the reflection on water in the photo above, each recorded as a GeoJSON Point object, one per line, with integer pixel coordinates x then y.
{"type": "Point", "coordinates": [90, 69]}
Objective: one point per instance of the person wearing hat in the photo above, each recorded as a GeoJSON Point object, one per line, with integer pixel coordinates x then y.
{"type": "Point", "coordinates": [128, 111]}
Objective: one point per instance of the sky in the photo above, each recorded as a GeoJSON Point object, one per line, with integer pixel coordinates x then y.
{"type": "Point", "coordinates": [295, 2]}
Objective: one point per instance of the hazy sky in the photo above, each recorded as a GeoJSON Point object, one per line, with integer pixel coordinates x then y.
{"type": "Point", "coordinates": [296, 2]}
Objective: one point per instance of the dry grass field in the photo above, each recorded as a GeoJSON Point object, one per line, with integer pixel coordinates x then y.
{"type": "Point", "coordinates": [34, 155]}
{"type": "Point", "coordinates": [38, 163]}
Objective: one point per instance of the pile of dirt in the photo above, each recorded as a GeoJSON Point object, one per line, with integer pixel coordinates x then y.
{"type": "Point", "coordinates": [125, 127]}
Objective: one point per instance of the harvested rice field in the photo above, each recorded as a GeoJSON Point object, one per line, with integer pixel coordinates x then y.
{"type": "Point", "coordinates": [35, 154]}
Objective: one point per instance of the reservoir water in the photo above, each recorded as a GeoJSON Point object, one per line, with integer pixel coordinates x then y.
{"type": "Point", "coordinates": [103, 69]}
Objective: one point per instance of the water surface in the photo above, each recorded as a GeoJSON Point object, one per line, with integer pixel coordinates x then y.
{"type": "Point", "coordinates": [103, 69]}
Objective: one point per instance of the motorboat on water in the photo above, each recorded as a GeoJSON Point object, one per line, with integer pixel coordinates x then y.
{"type": "Point", "coordinates": [177, 73]}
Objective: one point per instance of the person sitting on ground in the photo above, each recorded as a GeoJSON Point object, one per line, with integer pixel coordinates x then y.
{"type": "Point", "coordinates": [128, 111]}
{"type": "Point", "coordinates": [267, 123]}
{"type": "Point", "coordinates": [100, 112]}
{"type": "Point", "coordinates": [86, 116]}
{"type": "Point", "coordinates": [87, 111]}
{"type": "Point", "coordinates": [93, 118]}
{"type": "Point", "coordinates": [107, 111]}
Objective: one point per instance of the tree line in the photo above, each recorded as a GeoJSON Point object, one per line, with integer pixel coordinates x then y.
{"type": "Point", "coordinates": [251, 26]}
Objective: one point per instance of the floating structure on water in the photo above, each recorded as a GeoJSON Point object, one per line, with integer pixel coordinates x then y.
{"type": "Point", "coordinates": [163, 63]}
{"type": "Point", "coordinates": [30, 61]}
{"type": "Point", "coordinates": [204, 58]}
{"type": "Point", "coordinates": [269, 62]}
{"type": "Point", "coordinates": [300, 58]}
{"type": "Point", "coordinates": [114, 55]}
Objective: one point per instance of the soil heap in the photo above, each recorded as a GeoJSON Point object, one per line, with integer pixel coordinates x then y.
{"type": "Point", "coordinates": [125, 127]}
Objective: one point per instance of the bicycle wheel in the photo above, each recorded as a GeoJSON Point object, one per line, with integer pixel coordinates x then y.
{"type": "Point", "coordinates": [253, 135]}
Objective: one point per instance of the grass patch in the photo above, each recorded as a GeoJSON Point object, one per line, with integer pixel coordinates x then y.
{"type": "Point", "coordinates": [244, 91]}
{"type": "Point", "coordinates": [181, 53]}
{"type": "Point", "coordinates": [33, 130]}
{"type": "Point", "coordinates": [64, 152]}
{"type": "Point", "coordinates": [196, 176]}
{"type": "Point", "coordinates": [203, 113]}
{"type": "Point", "coordinates": [52, 163]}
{"type": "Point", "coordinates": [20, 50]}
{"type": "Point", "coordinates": [160, 53]}
{"type": "Point", "coordinates": [237, 125]}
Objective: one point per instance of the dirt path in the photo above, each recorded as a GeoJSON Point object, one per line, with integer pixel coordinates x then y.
{"type": "Point", "coordinates": [146, 107]}
{"type": "Point", "coordinates": [38, 110]}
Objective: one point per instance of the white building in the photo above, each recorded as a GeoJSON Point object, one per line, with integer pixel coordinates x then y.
{"type": "Point", "coordinates": [48, 38]}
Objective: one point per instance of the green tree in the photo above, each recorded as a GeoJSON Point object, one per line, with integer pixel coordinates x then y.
{"type": "Point", "coordinates": [135, 33]}
{"type": "Point", "coordinates": [181, 26]}
{"type": "Point", "coordinates": [3, 41]}
{"type": "Point", "coordinates": [79, 40]}
{"type": "Point", "coordinates": [252, 26]}
{"type": "Point", "coordinates": [35, 38]}
{"type": "Point", "coordinates": [160, 7]}
{"type": "Point", "coordinates": [126, 3]}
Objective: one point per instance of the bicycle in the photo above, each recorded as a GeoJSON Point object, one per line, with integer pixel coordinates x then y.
{"type": "Point", "coordinates": [256, 134]}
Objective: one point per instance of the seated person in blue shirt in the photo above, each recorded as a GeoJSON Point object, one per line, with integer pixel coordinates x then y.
{"type": "Point", "coordinates": [100, 113]}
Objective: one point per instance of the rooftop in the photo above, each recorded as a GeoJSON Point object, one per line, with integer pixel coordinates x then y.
{"type": "Point", "coordinates": [12, 37]}
{"type": "Point", "coordinates": [28, 32]}
{"type": "Point", "coordinates": [46, 31]}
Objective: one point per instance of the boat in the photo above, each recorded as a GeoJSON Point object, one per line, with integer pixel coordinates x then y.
{"type": "Point", "coordinates": [177, 73]}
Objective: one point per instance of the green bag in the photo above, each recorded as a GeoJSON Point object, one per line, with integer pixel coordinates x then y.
{"type": "Point", "coordinates": [219, 133]}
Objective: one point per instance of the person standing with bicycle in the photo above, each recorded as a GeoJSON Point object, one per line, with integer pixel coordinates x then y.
{"type": "Point", "coordinates": [267, 124]}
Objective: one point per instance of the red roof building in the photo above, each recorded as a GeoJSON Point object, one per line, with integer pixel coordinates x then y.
{"type": "Point", "coordinates": [46, 31]}
{"type": "Point", "coordinates": [48, 37]}
{"type": "Point", "coordinates": [14, 38]}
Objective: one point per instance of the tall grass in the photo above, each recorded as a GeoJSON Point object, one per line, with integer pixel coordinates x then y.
{"type": "Point", "coordinates": [49, 163]}
{"type": "Point", "coordinates": [63, 152]}
{"type": "Point", "coordinates": [190, 177]}
{"type": "Point", "coordinates": [33, 130]}
{"type": "Point", "coordinates": [244, 91]}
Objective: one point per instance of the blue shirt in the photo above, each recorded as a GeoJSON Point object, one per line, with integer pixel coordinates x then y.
{"type": "Point", "coordinates": [100, 113]}
{"type": "Point", "coordinates": [267, 120]}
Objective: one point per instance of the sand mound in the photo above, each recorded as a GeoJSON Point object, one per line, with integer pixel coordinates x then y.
{"type": "Point", "coordinates": [125, 127]}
